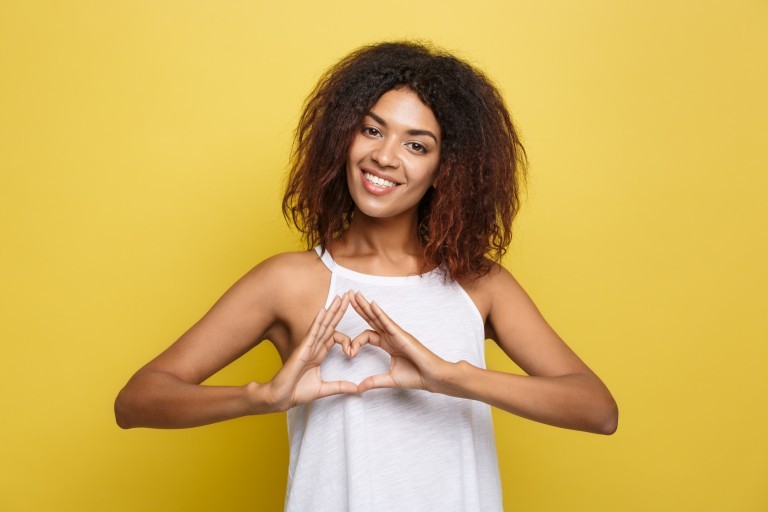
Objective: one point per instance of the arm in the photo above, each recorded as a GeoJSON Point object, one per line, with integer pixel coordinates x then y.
{"type": "Point", "coordinates": [166, 393]}
{"type": "Point", "coordinates": [577, 401]}
{"type": "Point", "coordinates": [558, 390]}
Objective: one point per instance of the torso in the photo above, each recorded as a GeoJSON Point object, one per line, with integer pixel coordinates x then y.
{"type": "Point", "coordinates": [303, 290]}
{"type": "Point", "coordinates": [416, 450]}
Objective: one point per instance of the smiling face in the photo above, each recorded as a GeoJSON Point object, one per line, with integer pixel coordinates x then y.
{"type": "Point", "coordinates": [394, 156]}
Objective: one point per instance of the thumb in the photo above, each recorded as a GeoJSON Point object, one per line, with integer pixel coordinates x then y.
{"type": "Point", "coordinates": [382, 380]}
{"type": "Point", "coordinates": [364, 338]}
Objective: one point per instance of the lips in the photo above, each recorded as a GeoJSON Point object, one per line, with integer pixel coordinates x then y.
{"type": "Point", "coordinates": [377, 184]}
{"type": "Point", "coordinates": [378, 181]}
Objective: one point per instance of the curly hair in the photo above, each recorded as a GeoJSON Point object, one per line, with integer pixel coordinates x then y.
{"type": "Point", "coordinates": [464, 223]}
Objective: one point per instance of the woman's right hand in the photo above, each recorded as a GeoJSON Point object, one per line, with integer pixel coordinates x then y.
{"type": "Point", "coordinates": [299, 380]}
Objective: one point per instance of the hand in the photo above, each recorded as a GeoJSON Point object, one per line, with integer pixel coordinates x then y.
{"type": "Point", "coordinates": [413, 365]}
{"type": "Point", "coordinates": [299, 380]}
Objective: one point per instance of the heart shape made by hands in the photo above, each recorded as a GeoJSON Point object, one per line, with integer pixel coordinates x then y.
{"type": "Point", "coordinates": [369, 360]}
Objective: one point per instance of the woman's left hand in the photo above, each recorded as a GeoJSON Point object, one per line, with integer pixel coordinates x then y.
{"type": "Point", "coordinates": [412, 366]}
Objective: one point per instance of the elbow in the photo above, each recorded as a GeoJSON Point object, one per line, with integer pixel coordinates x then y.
{"type": "Point", "coordinates": [135, 400]}
{"type": "Point", "coordinates": [605, 412]}
{"type": "Point", "coordinates": [122, 411]}
{"type": "Point", "coordinates": [609, 419]}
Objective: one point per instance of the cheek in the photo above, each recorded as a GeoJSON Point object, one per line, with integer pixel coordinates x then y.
{"type": "Point", "coordinates": [356, 149]}
{"type": "Point", "coordinates": [430, 174]}
{"type": "Point", "coordinates": [350, 173]}
{"type": "Point", "coordinates": [353, 157]}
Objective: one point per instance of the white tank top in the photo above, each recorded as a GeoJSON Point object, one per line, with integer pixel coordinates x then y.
{"type": "Point", "coordinates": [396, 450]}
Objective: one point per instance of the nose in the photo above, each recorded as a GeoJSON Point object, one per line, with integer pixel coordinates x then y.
{"type": "Point", "coordinates": [385, 154]}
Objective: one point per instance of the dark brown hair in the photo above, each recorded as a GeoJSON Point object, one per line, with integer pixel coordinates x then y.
{"type": "Point", "coordinates": [465, 221]}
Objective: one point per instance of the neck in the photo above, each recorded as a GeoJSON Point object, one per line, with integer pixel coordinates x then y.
{"type": "Point", "coordinates": [393, 236]}
{"type": "Point", "coordinates": [384, 240]}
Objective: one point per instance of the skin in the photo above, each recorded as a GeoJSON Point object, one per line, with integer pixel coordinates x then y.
{"type": "Point", "coordinates": [282, 298]}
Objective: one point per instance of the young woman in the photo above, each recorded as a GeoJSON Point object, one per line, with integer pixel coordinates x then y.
{"type": "Point", "coordinates": [405, 178]}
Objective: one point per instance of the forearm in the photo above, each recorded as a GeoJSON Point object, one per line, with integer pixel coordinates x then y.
{"type": "Point", "coordinates": [161, 400]}
{"type": "Point", "coordinates": [575, 401]}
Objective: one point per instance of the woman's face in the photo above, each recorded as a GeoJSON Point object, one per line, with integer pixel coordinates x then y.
{"type": "Point", "coordinates": [394, 156]}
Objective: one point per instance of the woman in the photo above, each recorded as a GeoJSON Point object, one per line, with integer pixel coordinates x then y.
{"type": "Point", "coordinates": [405, 177]}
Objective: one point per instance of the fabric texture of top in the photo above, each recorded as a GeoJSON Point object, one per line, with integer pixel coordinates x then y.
{"type": "Point", "coordinates": [396, 450]}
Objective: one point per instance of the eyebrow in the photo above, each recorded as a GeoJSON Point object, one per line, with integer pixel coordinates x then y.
{"type": "Point", "coordinates": [409, 132]}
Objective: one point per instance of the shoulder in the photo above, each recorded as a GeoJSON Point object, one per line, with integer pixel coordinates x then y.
{"type": "Point", "coordinates": [496, 279]}
{"type": "Point", "coordinates": [482, 289]}
{"type": "Point", "coordinates": [288, 270]}
{"type": "Point", "coordinates": [289, 262]}
{"type": "Point", "coordinates": [276, 277]}
{"type": "Point", "coordinates": [495, 290]}
{"type": "Point", "coordinates": [280, 289]}
{"type": "Point", "coordinates": [290, 279]}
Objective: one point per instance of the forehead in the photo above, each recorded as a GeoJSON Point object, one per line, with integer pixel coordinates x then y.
{"type": "Point", "coordinates": [402, 107]}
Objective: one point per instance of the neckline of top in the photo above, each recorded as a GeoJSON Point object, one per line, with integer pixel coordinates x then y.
{"type": "Point", "coordinates": [334, 267]}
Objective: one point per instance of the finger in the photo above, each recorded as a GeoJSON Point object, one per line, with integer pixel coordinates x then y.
{"type": "Point", "coordinates": [361, 306]}
{"type": "Point", "coordinates": [336, 316]}
{"type": "Point", "coordinates": [333, 307]}
{"type": "Point", "coordinates": [339, 314]}
{"type": "Point", "coordinates": [341, 339]}
{"type": "Point", "coordinates": [382, 380]}
{"type": "Point", "coordinates": [364, 338]}
{"type": "Point", "coordinates": [314, 327]}
{"type": "Point", "coordinates": [294, 367]}
{"type": "Point", "coordinates": [402, 340]}
{"type": "Point", "coordinates": [336, 388]}
{"type": "Point", "coordinates": [355, 301]}
{"type": "Point", "coordinates": [372, 318]}
{"type": "Point", "coordinates": [325, 330]}
{"type": "Point", "coordinates": [389, 324]}
{"type": "Point", "coordinates": [331, 336]}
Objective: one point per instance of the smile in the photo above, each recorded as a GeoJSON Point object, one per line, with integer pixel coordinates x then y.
{"type": "Point", "coordinates": [379, 181]}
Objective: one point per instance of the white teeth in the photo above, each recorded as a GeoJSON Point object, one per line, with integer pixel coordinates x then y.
{"type": "Point", "coordinates": [378, 181]}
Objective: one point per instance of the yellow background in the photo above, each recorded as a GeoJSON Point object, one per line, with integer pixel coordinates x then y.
{"type": "Point", "coordinates": [143, 146]}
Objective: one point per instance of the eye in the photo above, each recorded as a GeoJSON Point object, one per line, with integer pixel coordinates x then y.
{"type": "Point", "coordinates": [417, 146]}
{"type": "Point", "coordinates": [370, 131]}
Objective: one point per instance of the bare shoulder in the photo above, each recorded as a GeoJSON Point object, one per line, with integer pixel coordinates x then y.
{"type": "Point", "coordinates": [269, 293]}
{"type": "Point", "coordinates": [495, 293]}
{"type": "Point", "coordinates": [287, 276]}
{"type": "Point", "coordinates": [485, 288]}
{"type": "Point", "coordinates": [287, 266]}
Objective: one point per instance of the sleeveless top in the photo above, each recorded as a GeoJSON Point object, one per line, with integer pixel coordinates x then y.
{"type": "Point", "coordinates": [393, 450]}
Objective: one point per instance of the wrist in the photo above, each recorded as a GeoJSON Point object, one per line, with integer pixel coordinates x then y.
{"type": "Point", "coordinates": [451, 377]}
{"type": "Point", "coordinates": [260, 399]}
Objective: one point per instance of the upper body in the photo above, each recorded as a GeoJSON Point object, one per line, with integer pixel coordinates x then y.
{"type": "Point", "coordinates": [279, 298]}
{"type": "Point", "coordinates": [417, 174]}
